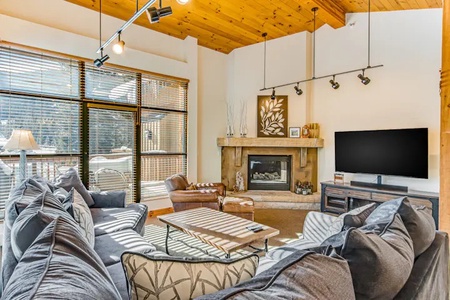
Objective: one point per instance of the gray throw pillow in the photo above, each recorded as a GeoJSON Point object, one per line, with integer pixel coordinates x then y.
{"type": "Point", "coordinates": [60, 265]}
{"type": "Point", "coordinates": [108, 199]}
{"type": "Point", "coordinates": [70, 180]}
{"type": "Point", "coordinates": [33, 219]}
{"type": "Point", "coordinates": [353, 218]}
{"type": "Point", "coordinates": [418, 222]}
{"type": "Point", "coordinates": [302, 275]}
{"type": "Point", "coordinates": [380, 264]}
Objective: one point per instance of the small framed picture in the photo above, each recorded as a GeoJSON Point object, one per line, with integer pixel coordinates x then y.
{"type": "Point", "coordinates": [294, 132]}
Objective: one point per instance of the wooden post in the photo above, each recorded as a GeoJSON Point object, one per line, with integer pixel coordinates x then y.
{"type": "Point", "coordinates": [444, 200]}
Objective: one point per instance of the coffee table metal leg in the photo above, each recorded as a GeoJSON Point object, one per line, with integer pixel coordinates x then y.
{"type": "Point", "coordinates": [266, 247]}
{"type": "Point", "coordinates": [167, 239]}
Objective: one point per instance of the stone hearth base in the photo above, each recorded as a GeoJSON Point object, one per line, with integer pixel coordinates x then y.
{"type": "Point", "coordinates": [281, 199]}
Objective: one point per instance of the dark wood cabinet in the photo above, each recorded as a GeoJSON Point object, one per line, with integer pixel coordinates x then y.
{"type": "Point", "coordinates": [340, 198]}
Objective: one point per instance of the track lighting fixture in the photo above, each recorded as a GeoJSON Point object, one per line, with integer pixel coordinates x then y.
{"type": "Point", "coordinates": [298, 90]}
{"type": "Point", "coordinates": [364, 80]}
{"type": "Point", "coordinates": [182, 2]}
{"type": "Point", "coordinates": [334, 84]}
{"type": "Point", "coordinates": [119, 46]}
{"type": "Point", "coordinates": [273, 95]}
{"type": "Point", "coordinates": [100, 61]}
{"type": "Point", "coordinates": [154, 14]}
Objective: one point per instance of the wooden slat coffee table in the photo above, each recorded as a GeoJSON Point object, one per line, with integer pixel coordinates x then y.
{"type": "Point", "coordinates": [223, 231]}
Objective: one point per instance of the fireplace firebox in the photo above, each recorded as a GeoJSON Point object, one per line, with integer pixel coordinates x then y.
{"type": "Point", "coordinates": [269, 172]}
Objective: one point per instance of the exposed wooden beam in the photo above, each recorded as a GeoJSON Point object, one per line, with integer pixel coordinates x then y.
{"type": "Point", "coordinates": [329, 11]}
{"type": "Point", "coordinates": [444, 200]}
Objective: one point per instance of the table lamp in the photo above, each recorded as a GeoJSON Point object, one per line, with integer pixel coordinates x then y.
{"type": "Point", "coordinates": [23, 140]}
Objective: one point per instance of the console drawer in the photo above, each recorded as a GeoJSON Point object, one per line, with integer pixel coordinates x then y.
{"type": "Point", "coordinates": [383, 197]}
{"type": "Point", "coordinates": [334, 192]}
{"type": "Point", "coordinates": [359, 194]}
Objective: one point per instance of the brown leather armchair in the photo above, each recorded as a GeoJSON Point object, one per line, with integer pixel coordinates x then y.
{"type": "Point", "coordinates": [185, 196]}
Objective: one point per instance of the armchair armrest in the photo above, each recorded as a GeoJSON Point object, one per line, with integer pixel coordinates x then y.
{"type": "Point", "coordinates": [108, 199]}
{"type": "Point", "coordinates": [194, 196]}
{"type": "Point", "coordinates": [316, 226]}
{"type": "Point", "coordinates": [218, 186]}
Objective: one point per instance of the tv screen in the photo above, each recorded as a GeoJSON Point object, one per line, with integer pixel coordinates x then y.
{"type": "Point", "coordinates": [399, 152]}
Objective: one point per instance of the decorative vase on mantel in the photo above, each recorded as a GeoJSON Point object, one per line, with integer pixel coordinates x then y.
{"type": "Point", "coordinates": [230, 119]}
{"type": "Point", "coordinates": [230, 130]}
{"type": "Point", "coordinates": [243, 119]}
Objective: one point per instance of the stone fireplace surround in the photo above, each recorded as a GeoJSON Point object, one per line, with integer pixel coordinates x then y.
{"type": "Point", "coordinates": [303, 152]}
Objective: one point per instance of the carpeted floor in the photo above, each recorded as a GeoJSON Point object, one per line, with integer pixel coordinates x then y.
{"type": "Point", "coordinates": [289, 222]}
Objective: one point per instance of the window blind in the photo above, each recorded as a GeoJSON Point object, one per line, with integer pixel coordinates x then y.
{"type": "Point", "coordinates": [111, 151]}
{"type": "Point", "coordinates": [111, 84]}
{"type": "Point", "coordinates": [38, 74]}
{"type": "Point", "coordinates": [40, 93]}
{"type": "Point", "coordinates": [163, 133]}
{"type": "Point", "coordinates": [45, 93]}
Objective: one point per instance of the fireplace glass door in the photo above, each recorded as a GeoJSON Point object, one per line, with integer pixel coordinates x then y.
{"type": "Point", "coordinates": [269, 172]}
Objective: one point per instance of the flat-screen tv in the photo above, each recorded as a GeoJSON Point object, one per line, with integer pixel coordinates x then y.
{"type": "Point", "coordinates": [398, 152]}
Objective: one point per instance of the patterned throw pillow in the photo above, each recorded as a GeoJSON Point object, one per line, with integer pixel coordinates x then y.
{"type": "Point", "coordinates": [353, 218]}
{"type": "Point", "coordinates": [83, 217]}
{"type": "Point", "coordinates": [152, 277]}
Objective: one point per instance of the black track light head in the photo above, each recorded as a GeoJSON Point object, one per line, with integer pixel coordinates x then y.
{"type": "Point", "coordinates": [100, 61]}
{"type": "Point", "coordinates": [334, 84]}
{"type": "Point", "coordinates": [154, 14]}
{"type": "Point", "coordinates": [298, 90]}
{"type": "Point", "coordinates": [364, 80]}
{"type": "Point", "coordinates": [273, 96]}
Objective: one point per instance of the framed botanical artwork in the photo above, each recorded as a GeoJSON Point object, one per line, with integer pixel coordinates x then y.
{"type": "Point", "coordinates": [272, 116]}
{"type": "Point", "coordinates": [294, 132]}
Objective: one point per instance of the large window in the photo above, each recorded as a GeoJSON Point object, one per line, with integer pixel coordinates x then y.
{"type": "Point", "coordinates": [104, 122]}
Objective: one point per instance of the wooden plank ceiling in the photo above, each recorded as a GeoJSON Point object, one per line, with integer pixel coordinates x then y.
{"type": "Point", "coordinates": [224, 25]}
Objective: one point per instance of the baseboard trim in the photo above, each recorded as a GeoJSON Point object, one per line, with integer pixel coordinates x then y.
{"type": "Point", "coordinates": [159, 212]}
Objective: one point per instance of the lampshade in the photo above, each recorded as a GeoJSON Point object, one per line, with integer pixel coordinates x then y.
{"type": "Point", "coordinates": [21, 139]}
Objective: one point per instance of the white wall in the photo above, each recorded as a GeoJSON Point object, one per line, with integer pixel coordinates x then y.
{"type": "Point", "coordinates": [212, 94]}
{"type": "Point", "coordinates": [403, 94]}
{"type": "Point", "coordinates": [286, 60]}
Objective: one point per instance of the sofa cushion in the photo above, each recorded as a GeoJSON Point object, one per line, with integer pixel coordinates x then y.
{"type": "Point", "coordinates": [108, 199]}
{"type": "Point", "coordinates": [107, 220]}
{"type": "Point", "coordinates": [418, 222]}
{"type": "Point", "coordinates": [302, 275]}
{"type": "Point", "coordinates": [111, 246]}
{"type": "Point", "coordinates": [284, 251]}
{"type": "Point", "coordinates": [26, 191]}
{"type": "Point", "coordinates": [60, 265]}
{"type": "Point", "coordinates": [82, 215]}
{"type": "Point", "coordinates": [380, 264]}
{"type": "Point", "coordinates": [118, 277]}
{"type": "Point", "coordinates": [353, 218]}
{"type": "Point", "coordinates": [33, 219]}
{"type": "Point", "coordinates": [70, 180]}
{"type": "Point", "coordinates": [182, 278]}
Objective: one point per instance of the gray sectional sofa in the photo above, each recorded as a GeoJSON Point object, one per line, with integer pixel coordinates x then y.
{"type": "Point", "coordinates": [117, 228]}
{"type": "Point", "coordinates": [388, 252]}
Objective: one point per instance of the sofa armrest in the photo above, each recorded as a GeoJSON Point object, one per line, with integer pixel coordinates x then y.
{"type": "Point", "coordinates": [194, 196]}
{"type": "Point", "coordinates": [316, 226]}
{"type": "Point", "coordinates": [218, 186]}
{"type": "Point", "coordinates": [108, 199]}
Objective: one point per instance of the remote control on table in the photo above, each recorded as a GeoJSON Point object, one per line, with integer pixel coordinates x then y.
{"type": "Point", "coordinates": [255, 228]}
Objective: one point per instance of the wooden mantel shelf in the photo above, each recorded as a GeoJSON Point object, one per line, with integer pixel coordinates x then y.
{"type": "Point", "coordinates": [270, 142]}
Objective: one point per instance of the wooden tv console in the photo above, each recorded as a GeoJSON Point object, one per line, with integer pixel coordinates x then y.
{"type": "Point", "coordinates": [340, 198]}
